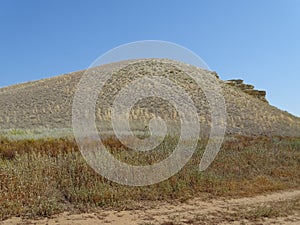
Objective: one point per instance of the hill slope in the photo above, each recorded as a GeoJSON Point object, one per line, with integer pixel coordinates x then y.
{"type": "Point", "coordinates": [47, 103]}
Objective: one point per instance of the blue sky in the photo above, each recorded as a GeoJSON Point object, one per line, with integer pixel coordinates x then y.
{"type": "Point", "coordinates": [256, 40]}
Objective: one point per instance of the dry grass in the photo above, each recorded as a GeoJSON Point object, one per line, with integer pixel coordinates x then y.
{"type": "Point", "coordinates": [44, 177]}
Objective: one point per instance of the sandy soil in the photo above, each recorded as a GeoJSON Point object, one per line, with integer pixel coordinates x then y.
{"type": "Point", "coordinates": [195, 211]}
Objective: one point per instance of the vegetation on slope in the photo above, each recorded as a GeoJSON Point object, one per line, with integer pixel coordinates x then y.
{"type": "Point", "coordinates": [48, 103]}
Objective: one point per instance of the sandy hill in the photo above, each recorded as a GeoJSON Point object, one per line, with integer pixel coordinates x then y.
{"type": "Point", "coordinates": [48, 102]}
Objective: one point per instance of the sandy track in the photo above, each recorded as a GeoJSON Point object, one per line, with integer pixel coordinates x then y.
{"type": "Point", "coordinates": [195, 211]}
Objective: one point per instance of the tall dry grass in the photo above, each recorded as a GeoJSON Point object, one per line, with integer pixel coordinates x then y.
{"type": "Point", "coordinates": [45, 177]}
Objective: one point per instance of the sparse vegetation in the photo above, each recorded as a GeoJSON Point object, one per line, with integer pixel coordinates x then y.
{"type": "Point", "coordinates": [48, 103]}
{"type": "Point", "coordinates": [47, 176]}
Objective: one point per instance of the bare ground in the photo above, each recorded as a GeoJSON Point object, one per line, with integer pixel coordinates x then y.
{"type": "Point", "coordinates": [275, 208]}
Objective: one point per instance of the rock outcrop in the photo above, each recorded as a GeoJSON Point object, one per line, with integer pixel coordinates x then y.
{"type": "Point", "coordinates": [248, 89]}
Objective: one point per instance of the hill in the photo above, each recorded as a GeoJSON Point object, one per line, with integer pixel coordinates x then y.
{"type": "Point", "coordinates": [48, 103]}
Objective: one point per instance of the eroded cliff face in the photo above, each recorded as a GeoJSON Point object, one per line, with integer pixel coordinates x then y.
{"type": "Point", "coordinates": [248, 89]}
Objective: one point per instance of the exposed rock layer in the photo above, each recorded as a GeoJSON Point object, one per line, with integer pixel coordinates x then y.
{"type": "Point", "coordinates": [248, 89]}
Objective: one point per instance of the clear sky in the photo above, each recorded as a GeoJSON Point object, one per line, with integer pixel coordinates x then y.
{"type": "Point", "coordinates": [256, 40]}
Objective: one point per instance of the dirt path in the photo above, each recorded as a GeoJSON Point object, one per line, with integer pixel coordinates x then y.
{"type": "Point", "coordinates": [276, 208]}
